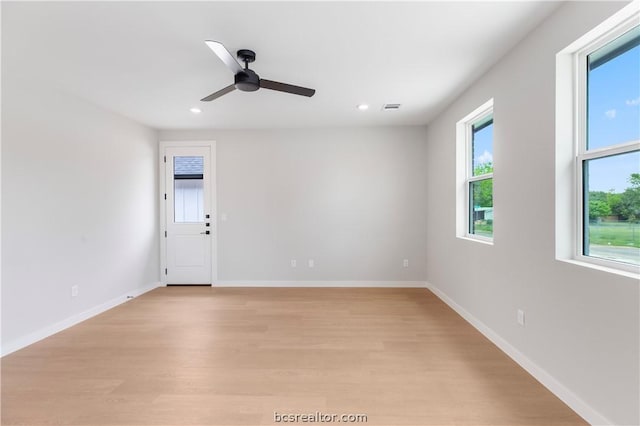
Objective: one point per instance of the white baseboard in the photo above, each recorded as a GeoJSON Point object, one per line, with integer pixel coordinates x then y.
{"type": "Point", "coordinates": [558, 389]}
{"type": "Point", "coordinates": [363, 284]}
{"type": "Point", "coordinates": [45, 332]}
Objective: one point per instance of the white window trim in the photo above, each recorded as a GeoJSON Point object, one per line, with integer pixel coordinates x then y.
{"type": "Point", "coordinates": [571, 125]}
{"type": "Point", "coordinates": [464, 137]}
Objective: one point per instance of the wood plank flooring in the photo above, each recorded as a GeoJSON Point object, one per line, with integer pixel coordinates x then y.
{"type": "Point", "coordinates": [236, 356]}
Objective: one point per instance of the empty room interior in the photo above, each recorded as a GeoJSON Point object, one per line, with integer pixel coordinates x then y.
{"type": "Point", "coordinates": [252, 213]}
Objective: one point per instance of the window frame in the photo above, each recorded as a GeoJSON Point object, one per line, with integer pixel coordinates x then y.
{"type": "Point", "coordinates": [581, 152]}
{"type": "Point", "coordinates": [464, 147]}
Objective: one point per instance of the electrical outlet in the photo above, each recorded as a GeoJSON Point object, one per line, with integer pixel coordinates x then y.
{"type": "Point", "coordinates": [311, 263]}
{"type": "Point", "coordinates": [521, 317]}
{"type": "Point", "coordinates": [294, 263]}
{"type": "Point", "coordinates": [74, 291]}
{"type": "Point", "coordinates": [405, 263]}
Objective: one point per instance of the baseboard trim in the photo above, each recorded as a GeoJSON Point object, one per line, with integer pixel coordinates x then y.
{"type": "Point", "coordinates": [363, 284]}
{"type": "Point", "coordinates": [558, 389]}
{"type": "Point", "coordinates": [45, 332]}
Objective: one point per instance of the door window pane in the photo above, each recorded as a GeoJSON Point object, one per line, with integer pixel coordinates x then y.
{"type": "Point", "coordinates": [481, 206]}
{"type": "Point", "coordinates": [612, 207]}
{"type": "Point", "coordinates": [188, 194]}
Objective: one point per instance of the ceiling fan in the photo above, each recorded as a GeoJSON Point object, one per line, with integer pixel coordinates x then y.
{"type": "Point", "coordinates": [245, 79]}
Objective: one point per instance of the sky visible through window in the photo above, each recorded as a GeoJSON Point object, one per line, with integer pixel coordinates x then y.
{"type": "Point", "coordinates": [483, 147]}
{"type": "Point", "coordinates": [614, 117]}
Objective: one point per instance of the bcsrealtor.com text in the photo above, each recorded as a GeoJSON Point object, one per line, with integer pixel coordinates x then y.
{"type": "Point", "coordinates": [318, 417]}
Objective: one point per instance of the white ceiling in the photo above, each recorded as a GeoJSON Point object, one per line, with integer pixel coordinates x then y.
{"type": "Point", "coordinates": [148, 60]}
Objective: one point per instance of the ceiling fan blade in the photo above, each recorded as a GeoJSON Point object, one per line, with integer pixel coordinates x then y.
{"type": "Point", "coordinates": [224, 55]}
{"type": "Point", "coordinates": [287, 88]}
{"type": "Point", "coordinates": [216, 95]}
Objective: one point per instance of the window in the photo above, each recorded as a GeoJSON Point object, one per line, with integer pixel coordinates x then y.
{"type": "Point", "coordinates": [475, 174]}
{"type": "Point", "coordinates": [598, 89]}
{"type": "Point", "coordinates": [188, 188]}
{"type": "Point", "coordinates": [608, 157]}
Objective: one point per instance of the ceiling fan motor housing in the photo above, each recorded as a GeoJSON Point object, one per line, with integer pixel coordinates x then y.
{"type": "Point", "coordinates": [247, 81]}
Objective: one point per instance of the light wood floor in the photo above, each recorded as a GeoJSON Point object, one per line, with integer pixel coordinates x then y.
{"type": "Point", "coordinates": [203, 356]}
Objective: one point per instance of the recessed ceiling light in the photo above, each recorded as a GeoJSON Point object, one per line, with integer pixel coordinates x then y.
{"type": "Point", "coordinates": [363, 107]}
{"type": "Point", "coordinates": [195, 110]}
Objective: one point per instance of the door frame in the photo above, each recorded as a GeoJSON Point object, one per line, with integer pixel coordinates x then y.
{"type": "Point", "coordinates": [162, 205]}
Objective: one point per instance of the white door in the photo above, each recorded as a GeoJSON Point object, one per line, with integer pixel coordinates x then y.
{"type": "Point", "coordinates": [189, 229]}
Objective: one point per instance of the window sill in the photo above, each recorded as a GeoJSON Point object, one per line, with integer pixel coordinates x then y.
{"type": "Point", "coordinates": [602, 268]}
{"type": "Point", "coordinates": [485, 241]}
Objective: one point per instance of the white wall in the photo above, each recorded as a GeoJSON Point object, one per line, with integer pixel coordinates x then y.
{"type": "Point", "coordinates": [79, 208]}
{"type": "Point", "coordinates": [352, 200]}
{"type": "Point", "coordinates": [582, 325]}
